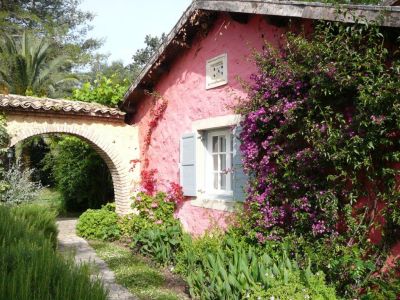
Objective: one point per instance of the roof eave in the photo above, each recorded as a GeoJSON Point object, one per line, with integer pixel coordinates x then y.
{"type": "Point", "coordinates": [384, 15]}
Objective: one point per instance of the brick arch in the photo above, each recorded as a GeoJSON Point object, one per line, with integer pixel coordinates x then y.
{"type": "Point", "coordinates": [102, 127]}
{"type": "Point", "coordinates": [110, 156]}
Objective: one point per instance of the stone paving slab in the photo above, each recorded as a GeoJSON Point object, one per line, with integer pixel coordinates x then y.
{"type": "Point", "coordinates": [68, 240]}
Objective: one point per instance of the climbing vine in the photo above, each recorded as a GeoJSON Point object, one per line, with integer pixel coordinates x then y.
{"type": "Point", "coordinates": [320, 142]}
{"type": "Point", "coordinates": [156, 113]}
{"type": "Point", "coordinates": [149, 182]}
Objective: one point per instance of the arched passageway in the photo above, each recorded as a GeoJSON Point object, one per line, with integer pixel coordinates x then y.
{"type": "Point", "coordinates": [101, 127]}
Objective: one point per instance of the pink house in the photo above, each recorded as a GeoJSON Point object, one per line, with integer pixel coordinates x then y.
{"type": "Point", "coordinates": [187, 123]}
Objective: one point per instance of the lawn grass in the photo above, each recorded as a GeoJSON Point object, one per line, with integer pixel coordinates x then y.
{"type": "Point", "coordinates": [133, 272]}
{"type": "Point", "coordinates": [51, 198]}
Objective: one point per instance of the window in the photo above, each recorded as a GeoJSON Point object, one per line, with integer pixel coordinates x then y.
{"type": "Point", "coordinates": [219, 162]}
{"type": "Point", "coordinates": [211, 166]}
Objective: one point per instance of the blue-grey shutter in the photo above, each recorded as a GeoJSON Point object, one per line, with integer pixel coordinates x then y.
{"type": "Point", "coordinates": [188, 164]}
{"type": "Point", "coordinates": [239, 177]}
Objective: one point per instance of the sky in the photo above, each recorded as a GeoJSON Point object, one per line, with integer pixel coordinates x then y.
{"type": "Point", "coordinates": [123, 24]}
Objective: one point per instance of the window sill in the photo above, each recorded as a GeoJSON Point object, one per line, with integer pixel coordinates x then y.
{"type": "Point", "coordinates": [223, 204]}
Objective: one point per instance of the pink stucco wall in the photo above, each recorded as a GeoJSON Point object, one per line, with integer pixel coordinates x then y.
{"type": "Point", "coordinates": [188, 100]}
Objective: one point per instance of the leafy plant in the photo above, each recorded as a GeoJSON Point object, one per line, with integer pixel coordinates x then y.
{"type": "Point", "coordinates": [99, 224]}
{"type": "Point", "coordinates": [18, 185]}
{"type": "Point", "coordinates": [158, 209]}
{"type": "Point", "coordinates": [194, 249]}
{"type": "Point", "coordinates": [237, 271]}
{"type": "Point", "coordinates": [28, 67]}
{"type": "Point", "coordinates": [159, 242]}
{"type": "Point", "coordinates": [104, 90]}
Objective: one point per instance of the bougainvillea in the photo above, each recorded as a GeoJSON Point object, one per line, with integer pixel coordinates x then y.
{"type": "Point", "coordinates": [320, 138]}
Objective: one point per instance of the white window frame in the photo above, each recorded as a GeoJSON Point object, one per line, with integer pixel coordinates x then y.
{"type": "Point", "coordinates": [209, 173]}
{"type": "Point", "coordinates": [204, 198]}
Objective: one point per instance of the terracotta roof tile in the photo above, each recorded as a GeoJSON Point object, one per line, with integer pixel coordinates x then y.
{"type": "Point", "coordinates": [17, 102]}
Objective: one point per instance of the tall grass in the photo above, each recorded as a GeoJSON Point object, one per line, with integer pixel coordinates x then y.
{"type": "Point", "coordinates": [30, 269]}
{"type": "Point", "coordinates": [39, 218]}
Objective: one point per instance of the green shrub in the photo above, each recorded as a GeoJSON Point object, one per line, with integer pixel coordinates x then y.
{"type": "Point", "coordinates": [293, 284]}
{"type": "Point", "coordinates": [161, 242]}
{"type": "Point", "coordinates": [40, 219]}
{"type": "Point", "coordinates": [18, 185]}
{"type": "Point", "coordinates": [30, 269]}
{"type": "Point", "coordinates": [81, 175]}
{"type": "Point", "coordinates": [151, 211]}
{"type": "Point", "coordinates": [131, 224]}
{"type": "Point", "coordinates": [99, 224]}
{"type": "Point", "coordinates": [154, 209]}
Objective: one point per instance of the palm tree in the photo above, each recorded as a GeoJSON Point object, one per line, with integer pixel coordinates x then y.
{"type": "Point", "coordinates": [27, 66]}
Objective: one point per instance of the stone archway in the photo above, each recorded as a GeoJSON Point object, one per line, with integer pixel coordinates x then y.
{"type": "Point", "coordinates": [110, 137]}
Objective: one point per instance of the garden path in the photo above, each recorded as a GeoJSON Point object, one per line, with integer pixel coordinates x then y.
{"type": "Point", "coordinates": [68, 240]}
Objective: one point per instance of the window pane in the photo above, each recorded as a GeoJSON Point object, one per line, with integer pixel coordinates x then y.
{"type": "Point", "coordinates": [231, 143]}
{"type": "Point", "coordinates": [223, 181]}
{"type": "Point", "coordinates": [215, 162]}
{"type": "Point", "coordinates": [214, 144]}
{"type": "Point", "coordinates": [222, 158]}
{"type": "Point", "coordinates": [215, 175]}
{"type": "Point", "coordinates": [222, 146]}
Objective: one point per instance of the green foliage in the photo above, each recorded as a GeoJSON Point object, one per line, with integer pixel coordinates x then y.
{"type": "Point", "coordinates": [28, 68]}
{"type": "Point", "coordinates": [295, 285]}
{"type": "Point", "coordinates": [151, 211]}
{"type": "Point", "coordinates": [39, 219]}
{"type": "Point", "coordinates": [62, 22]}
{"type": "Point", "coordinates": [4, 137]}
{"type": "Point", "coordinates": [104, 90]}
{"type": "Point", "coordinates": [31, 152]}
{"type": "Point", "coordinates": [18, 186]}
{"type": "Point", "coordinates": [80, 173]}
{"type": "Point", "coordinates": [159, 242]}
{"type": "Point", "coordinates": [30, 268]}
{"type": "Point", "coordinates": [385, 286]}
{"type": "Point", "coordinates": [143, 56]}
{"type": "Point", "coordinates": [154, 230]}
{"type": "Point", "coordinates": [193, 251]}
{"type": "Point", "coordinates": [99, 224]}
{"type": "Point", "coordinates": [236, 270]}
{"type": "Point", "coordinates": [52, 200]}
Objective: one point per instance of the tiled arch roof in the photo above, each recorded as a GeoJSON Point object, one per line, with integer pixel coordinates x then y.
{"type": "Point", "coordinates": [60, 106]}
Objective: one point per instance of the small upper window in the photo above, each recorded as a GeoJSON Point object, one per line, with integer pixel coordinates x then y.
{"type": "Point", "coordinates": [216, 71]}
{"type": "Point", "coordinates": [220, 157]}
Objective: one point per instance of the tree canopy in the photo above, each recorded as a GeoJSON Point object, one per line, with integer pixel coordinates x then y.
{"type": "Point", "coordinates": [28, 68]}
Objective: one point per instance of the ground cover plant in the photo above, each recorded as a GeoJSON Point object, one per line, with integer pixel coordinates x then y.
{"type": "Point", "coordinates": [29, 266]}
{"type": "Point", "coordinates": [99, 224]}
